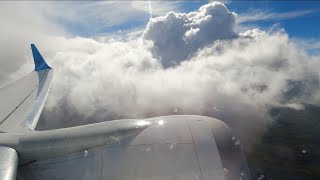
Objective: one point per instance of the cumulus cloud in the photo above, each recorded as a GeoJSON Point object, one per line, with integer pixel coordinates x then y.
{"type": "Point", "coordinates": [175, 36]}
{"type": "Point", "coordinates": [185, 63]}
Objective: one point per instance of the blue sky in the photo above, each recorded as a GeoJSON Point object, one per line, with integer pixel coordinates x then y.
{"type": "Point", "coordinates": [302, 26]}
{"type": "Point", "coordinates": [300, 19]}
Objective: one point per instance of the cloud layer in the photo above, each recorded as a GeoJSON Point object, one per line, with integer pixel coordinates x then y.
{"type": "Point", "coordinates": [185, 63]}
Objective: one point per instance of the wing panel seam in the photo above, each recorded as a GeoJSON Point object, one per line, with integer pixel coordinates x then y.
{"type": "Point", "coordinates": [4, 119]}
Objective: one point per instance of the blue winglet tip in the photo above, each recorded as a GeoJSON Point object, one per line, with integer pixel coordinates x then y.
{"type": "Point", "coordinates": [39, 62]}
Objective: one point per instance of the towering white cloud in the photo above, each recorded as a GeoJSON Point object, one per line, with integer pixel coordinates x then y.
{"type": "Point", "coordinates": [235, 80]}
{"type": "Point", "coordinates": [178, 35]}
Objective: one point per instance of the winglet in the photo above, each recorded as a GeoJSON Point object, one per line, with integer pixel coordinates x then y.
{"type": "Point", "coordinates": [39, 62]}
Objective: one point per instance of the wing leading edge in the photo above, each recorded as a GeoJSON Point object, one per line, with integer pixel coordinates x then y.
{"type": "Point", "coordinates": [23, 100]}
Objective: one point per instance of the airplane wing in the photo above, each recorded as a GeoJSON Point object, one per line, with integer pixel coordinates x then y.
{"type": "Point", "coordinates": [22, 101]}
